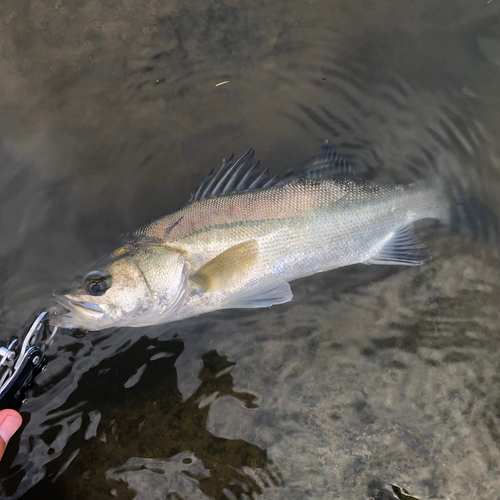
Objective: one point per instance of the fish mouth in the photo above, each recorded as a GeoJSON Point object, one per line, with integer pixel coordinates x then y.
{"type": "Point", "coordinates": [71, 313]}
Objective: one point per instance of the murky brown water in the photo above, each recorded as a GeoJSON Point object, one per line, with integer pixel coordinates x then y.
{"type": "Point", "coordinates": [110, 115]}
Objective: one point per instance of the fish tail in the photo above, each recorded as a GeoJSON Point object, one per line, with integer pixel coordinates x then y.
{"type": "Point", "coordinates": [467, 214]}
{"type": "Point", "coordinates": [471, 217]}
{"type": "Point", "coordinates": [433, 202]}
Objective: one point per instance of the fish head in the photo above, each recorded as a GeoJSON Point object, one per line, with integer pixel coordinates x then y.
{"type": "Point", "coordinates": [141, 285]}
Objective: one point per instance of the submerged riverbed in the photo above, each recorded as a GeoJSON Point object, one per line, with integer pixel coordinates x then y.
{"type": "Point", "coordinates": [373, 376]}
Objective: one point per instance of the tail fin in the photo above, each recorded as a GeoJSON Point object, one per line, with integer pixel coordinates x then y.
{"type": "Point", "coordinates": [469, 215]}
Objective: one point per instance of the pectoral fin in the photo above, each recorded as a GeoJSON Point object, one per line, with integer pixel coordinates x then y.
{"type": "Point", "coordinates": [266, 293]}
{"type": "Point", "coordinates": [402, 249]}
{"type": "Point", "coordinates": [227, 268]}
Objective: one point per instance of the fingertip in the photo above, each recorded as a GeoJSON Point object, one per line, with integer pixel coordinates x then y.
{"type": "Point", "coordinates": [10, 421]}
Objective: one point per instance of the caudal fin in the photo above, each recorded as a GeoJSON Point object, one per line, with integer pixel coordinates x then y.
{"type": "Point", "coordinates": [463, 213]}
{"type": "Point", "coordinates": [471, 217]}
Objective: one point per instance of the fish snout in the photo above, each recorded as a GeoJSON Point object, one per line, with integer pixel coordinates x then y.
{"type": "Point", "coordinates": [71, 313]}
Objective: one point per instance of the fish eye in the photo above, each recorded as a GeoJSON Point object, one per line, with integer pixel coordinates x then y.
{"type": "Point", "coordinates": [97, 283]}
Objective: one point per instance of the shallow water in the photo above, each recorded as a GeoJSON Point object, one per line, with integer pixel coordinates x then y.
{"type": "Point", "coordinates": [110, 115]}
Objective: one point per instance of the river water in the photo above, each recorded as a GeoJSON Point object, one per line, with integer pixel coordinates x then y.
{"type": "Point", "coordinates": [374, 378]}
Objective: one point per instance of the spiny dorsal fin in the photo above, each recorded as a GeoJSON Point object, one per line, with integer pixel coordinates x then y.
{"type": "Point", "coordinates": [403, 249]}
{"type": "Point", "coordinates": [227, 268]}
{"type": "Point", "coordinates": [329, 163]}
{"type": "Point", "coordinates": [245, 174]}
{"type": "Point", "coordinates": [235, 177]}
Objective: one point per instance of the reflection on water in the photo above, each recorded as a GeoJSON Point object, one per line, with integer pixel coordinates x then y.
{"type": "Point", "coordinates": [110, 116]}
{"type": "Point", "coordinates": [123, 407]}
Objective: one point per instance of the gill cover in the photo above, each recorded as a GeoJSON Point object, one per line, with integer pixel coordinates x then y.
{"type": "Point", "coordinates": [165, 272]}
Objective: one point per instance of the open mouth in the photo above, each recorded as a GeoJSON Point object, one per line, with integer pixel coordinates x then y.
{"type": "Point", "coordinates": [70, 313]}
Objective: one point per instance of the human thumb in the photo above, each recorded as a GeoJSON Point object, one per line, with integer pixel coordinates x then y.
{"type": "Point", "coordinates": [10, 421]}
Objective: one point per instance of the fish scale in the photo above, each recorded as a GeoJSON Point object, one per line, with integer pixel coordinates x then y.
{"type": "Point", "coordinates": [342, 225]}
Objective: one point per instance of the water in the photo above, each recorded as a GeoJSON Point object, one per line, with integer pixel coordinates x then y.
{"type": "Point", "coordinates": [110, 116]}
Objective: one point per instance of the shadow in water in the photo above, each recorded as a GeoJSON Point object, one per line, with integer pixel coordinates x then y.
{"type": "Point", "coordinates": [127, 422]}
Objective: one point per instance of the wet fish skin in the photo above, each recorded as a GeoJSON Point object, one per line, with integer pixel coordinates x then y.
{"type": "Point", "coordinates": [234, 247]}
{"type": "Point", "coordinates": [301, 229]}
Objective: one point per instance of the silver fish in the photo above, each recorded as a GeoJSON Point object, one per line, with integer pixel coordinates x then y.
{"type": "Point", "coordinates": [244, 236]}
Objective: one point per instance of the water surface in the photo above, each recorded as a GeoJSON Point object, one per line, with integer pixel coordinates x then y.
{"type": "Point", "coordinates": [111, 115]}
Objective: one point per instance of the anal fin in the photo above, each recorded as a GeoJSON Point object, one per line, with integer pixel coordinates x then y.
{"type": "Point", "coordinates": [266, 293]}
{"type": "Point", "coordinates": [402, 249]}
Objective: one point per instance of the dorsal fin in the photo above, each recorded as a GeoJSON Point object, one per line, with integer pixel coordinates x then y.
{"type": "Point", "coordinates": [235, 177]}
{"type": "Point", "coordinates": [329, 163]}
{"type": "Point", "coordinates": [245, 174]}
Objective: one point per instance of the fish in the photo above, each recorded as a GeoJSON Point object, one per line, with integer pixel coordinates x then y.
{"type": "Point", "coordinates": [245, 235]}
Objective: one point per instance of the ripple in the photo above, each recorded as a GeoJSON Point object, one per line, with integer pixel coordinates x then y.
{"type": "Point", "coordinates": [114, 117]}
